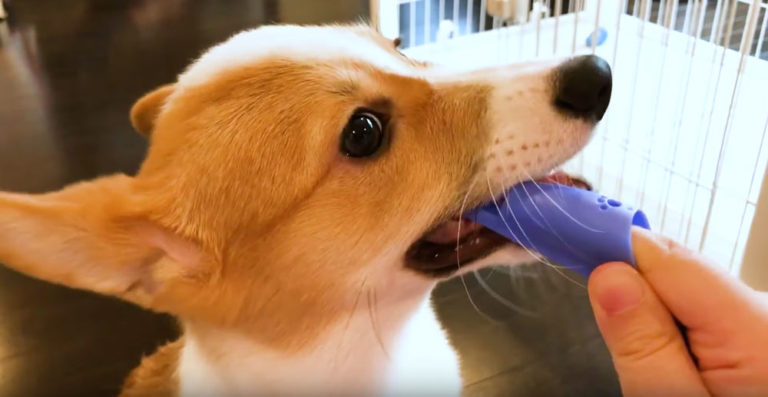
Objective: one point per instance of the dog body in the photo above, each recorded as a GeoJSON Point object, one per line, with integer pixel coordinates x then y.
{"type": "Point", "coordinates": [301, 196]}
{"type": "Point", "coordinates": [418, 358]}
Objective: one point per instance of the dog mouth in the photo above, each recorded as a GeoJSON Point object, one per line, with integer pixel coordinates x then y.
{"type": "Point", "coordinates": [458, 242]}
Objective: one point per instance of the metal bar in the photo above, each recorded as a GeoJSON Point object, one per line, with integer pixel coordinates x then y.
{"type": "Point", "coordinates": [373, 7]}
{"type": "Point", "coordinates": [440, 12]}
{"type": "Point", "coordinates": [597, 25]}
{"type": "Point", "coordinates": [385, 17]}
{"type": "Point", "coordinates": [729, 28]}
{"type": "Point", "coordinates": [669, 16]}
{"type": "Point", "coordinates": [746, 44]}
{"type": "Point", "coordinates": [721, 22]}
{"type": "Point", "coordinates": [702, 16]}
{"type": "Point", "coordinates": [686, 19]}
{"type": "Point", "coordinates": [628, 128]}
{"type": "Point", "coordinates": [681, 112]}
{"type": "Point", "coordinates": [755, 166]}
{"type": "Point", "coordinates": [674, 13]}
{"type": "Point", "coordinates": [528, 8]}
{"type": "Point", "coordinates": [661, 14]}
{"type": "Point", "coordinates": [624, 147]}
{"type": "Point", "coordinates": [652, 138]}
{"type": "Point", "coordinates": [470, 11]}
{"type": "Point", "coordinates": [709, 117]}
{"type": "Point", "coordinates": [647, 11]}
{"type": "Point", "coordinates": [753, 270]}
{"type": "Point", "coordinates": [622, 7]}
{"type": "Point", "coordinates": [483, 12]}
{"type": "Point", "coordinates": [704, 112]}
{"type": "Point", "coordinates": [412, 24]}
{"type": "Point", "coordinates": [761, 36]}
{"type": "Point", "coordinates": [427, 22]}
{"type": "Point", "coordinates": [456, 15]}
{"type": "Point", "coordinates": [575, 29]}
{"type": "Point", "coordinates": [523, 29]}
{"type": "Point", "coordinates": [538, 26]}
{"type": "Point", "coordinates": [645, 7]}
{"type": "Point", "coordinates": [716, 22]}
{"type": "Point", "coordinates": [620, 11]}
{"type": "Point", "coordinates": [558, 10]}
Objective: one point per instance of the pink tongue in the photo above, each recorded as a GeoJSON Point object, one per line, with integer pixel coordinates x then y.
{"type": "Point", "coordinates": [559, 177]}
{"type": "Point", "coordinates": [449, 232]}
{"type": "Point", "coordinates": [563, 178]}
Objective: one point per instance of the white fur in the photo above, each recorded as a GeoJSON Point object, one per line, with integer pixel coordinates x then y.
{"type": "Point", "coordinates": [530, 137]}
{"type": "Point", "coordinates": [313, 43]}
{"type": "Point", "coordinates": [424, 363]}
{"type": "Point", "coordinates": [417, 360]}
{"type": "Point", "coordinates": [523, 119]}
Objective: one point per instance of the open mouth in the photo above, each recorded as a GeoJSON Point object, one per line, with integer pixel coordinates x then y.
{"type": "Point", "coordinates": [458, 242]}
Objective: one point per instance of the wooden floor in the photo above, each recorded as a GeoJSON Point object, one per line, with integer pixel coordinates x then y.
{"type": "Point", "coordinates": [69, 71]}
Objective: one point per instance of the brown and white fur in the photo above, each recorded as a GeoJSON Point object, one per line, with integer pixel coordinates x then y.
{"type": "Point", "coordinates": [283, 258]}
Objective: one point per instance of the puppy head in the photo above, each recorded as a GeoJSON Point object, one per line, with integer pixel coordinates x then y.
{"type": "Point", "coordinates": [292, 168]}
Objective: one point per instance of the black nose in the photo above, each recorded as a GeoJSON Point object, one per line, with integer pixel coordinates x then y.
{"type": "Point", "coordinates": [583, 86]}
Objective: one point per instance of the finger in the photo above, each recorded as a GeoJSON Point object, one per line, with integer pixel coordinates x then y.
{"type": "Point", "coordinates": [648, 351]}
{"type": "Point", "coordinates": [698, 293]}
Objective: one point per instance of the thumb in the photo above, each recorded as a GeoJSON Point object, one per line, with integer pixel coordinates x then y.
{"type": "Point", "coordinates": [648, 351]}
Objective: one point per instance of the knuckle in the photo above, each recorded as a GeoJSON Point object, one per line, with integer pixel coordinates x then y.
{"type": "Point", "coordinates": [644, 344]}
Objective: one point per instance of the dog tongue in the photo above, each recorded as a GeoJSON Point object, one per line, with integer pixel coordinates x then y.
{"type": "Point", "coordinates": [562, 178]}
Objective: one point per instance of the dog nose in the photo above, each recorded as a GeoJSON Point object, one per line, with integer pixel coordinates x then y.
{"type": "Point", "coordinates": [583, 86]}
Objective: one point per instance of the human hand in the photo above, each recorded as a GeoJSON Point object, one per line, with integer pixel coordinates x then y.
{"type": "Point", "coordinates": [725, 323]}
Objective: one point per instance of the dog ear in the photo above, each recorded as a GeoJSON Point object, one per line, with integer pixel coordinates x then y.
{"type": "Point", "coordinates": [145, 111]}
{"type": "Point", "coordinates": [90, 236]}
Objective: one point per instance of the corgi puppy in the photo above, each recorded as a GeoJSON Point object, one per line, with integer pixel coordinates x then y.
{"type": "Point", "coordinates": [301, 196]}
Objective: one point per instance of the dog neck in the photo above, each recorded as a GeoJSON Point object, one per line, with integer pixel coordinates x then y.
{"type": "Point", "coordinates": [377, 350]}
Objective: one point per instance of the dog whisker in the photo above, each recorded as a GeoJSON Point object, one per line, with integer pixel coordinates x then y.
{"type": "Point", "coordinates": [461, 216]}
{"type": "Point", "coordinates": [504, 221]}
{"type": "Point", "coordinates": [458, 254]}
{"type": "Point", "coordinates": [334, 363]}
{"type": "Point", "coordinates": [529, 251]}
{"type": "Point", "coordinates": [566, 213]}
{"type": "Point", "coordinates": [541, 215]}
{"type": "Point", "coordinates": [374, 323]}
{"type": "Point", "coordinates": [504, 301]}
{"type": "Point", "coordinates": [536, 255]}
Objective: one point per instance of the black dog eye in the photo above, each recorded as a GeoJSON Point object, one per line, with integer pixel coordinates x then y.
{"type": "Point", "coordinates": [362, 136]}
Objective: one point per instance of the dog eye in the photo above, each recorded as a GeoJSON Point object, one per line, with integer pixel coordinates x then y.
{"type": "Point", "coordinates": [362, 136]}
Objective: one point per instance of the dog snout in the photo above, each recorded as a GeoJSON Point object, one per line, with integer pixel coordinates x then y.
{"type": "Point", "coordinates": [583, 87]}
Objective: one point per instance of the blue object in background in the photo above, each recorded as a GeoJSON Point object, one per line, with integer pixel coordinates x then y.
{"type": "Point", "coordinates": [602, 35]}
{"type": "Point", "coordinates": [576, 228]}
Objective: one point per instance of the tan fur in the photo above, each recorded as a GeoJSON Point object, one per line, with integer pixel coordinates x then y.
{"type": "Point", "coordinates": [145, 111]}
{"type": "Point", "coordinates": [157, 374]}
{"type": "Point", "coordinates": [245, 216]}
{"type": "Point", "coordinates": [271, 184]}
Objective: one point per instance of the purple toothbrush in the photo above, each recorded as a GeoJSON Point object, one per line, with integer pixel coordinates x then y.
{"type": "Point", "coordinates": [576, 228]}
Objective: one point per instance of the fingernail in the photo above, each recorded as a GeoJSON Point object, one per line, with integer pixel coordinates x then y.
{"type": "Point", "coordinates": [618, 288]}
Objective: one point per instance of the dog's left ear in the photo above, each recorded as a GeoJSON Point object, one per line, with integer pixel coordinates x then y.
{"type": "Point", "coordinates": [92, 236]}
{"type": "Point", "coordinates": [145, 111]}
